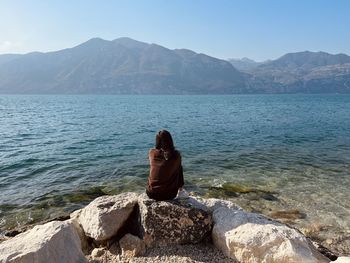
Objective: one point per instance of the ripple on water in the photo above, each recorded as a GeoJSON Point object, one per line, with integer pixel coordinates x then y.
{"type": "Point", "coordinates": [291, 152]}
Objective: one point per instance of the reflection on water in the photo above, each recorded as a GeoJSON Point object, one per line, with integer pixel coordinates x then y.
{"type": "Point", "coordinates": [269, 154]}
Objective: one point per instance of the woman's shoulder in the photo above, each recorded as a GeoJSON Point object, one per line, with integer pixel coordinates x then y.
{"type": "Point", "coordinates": [153, 152]}
{"type": "Point", "coordinates": [177, 154]}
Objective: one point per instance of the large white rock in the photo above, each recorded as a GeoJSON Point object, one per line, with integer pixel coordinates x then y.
{"type": "Point", "coordinates": [53, 242]}
{"type": "Point", "coordinates": [342, 260]}
{"type": "Point", "coordinates": [104, 216]}
{"type": "Point", "coordinates": [74, 219]}
{"type": "Point", "coordinates": [211, 204]}
{"type": "Point", "coordinates": [249, 237]}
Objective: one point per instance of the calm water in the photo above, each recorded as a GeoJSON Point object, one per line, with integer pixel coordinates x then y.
{"type": "Point", "coordinates": [59, 152]}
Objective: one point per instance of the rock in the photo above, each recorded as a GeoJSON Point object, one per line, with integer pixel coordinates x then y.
{"type": "Point", "coordinates": [313, 230]}
{"type": "Point", "coordinates": [340, 244]}
{"type": "Point", "coordinates": [3, 238]}
{"type": "Point", "coordinates": [236, 188]}
{"type": "Point", "coordinates": [104, 216]}
{"type": "Point", "coordinates": [97, 252]}
{"type": "Point", "coordinates": [342, 260]}
{"type": "Point", "coordinates": [53, 242]}
{"type": "Point", "coordinates": [324, 251]}
{"type": "Point", "coordinates": [249, 237]}
{"type": "Point", "coordinates": [329, 241]}
{"type": "Point", "coordinates": [289, 214]}
{"type": "Point", "coordinates": [132, 246]}
{"type": "Point", "coordinates": [75, 215]}
{"type": "Point", "coordinates": [171, 222]}
{"type": "Point", "coordinates": [211, 204]}
{"type": "Point", "coordinates": [74, 219]}
{"type": "Point", "coordinates": [12, 232]}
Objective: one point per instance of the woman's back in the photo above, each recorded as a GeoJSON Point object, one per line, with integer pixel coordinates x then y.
{"type": "Point", "coordinates": [163, 173]}
{"type": "Point", "coordinates": [166, 175]}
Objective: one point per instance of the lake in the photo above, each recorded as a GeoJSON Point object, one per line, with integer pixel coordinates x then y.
{"type": "Point", "coordinates": [267, 153]}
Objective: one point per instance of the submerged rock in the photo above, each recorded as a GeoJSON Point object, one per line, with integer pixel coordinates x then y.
{"type": "Point", "coordinates": [236, 188]}
{"type": "Point", "coordinates": [288, 214]}
{"type": "Point", "coordinates": [104, 216]}
{"type": "Point", "coordinates": [339, 245]}
{"type": "Point", "coordinates": [53, 242]}
{"type": "Point", "coordinates": [171, 222]}
{"type": "Point", "coordinates": [219, 192]}
{"type": "Point", "coordinates": [249, 237]}
{"type": "Point", "coordinates": [232, 190]}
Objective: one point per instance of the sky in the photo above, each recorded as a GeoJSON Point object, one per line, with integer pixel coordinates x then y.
{"type": "Point", "coordinates": [257, 29]}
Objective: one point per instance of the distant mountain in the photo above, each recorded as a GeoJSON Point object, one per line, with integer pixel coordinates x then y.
{"type": "Point", "coordinates": [306, 60]}
{"type": "Point", "coordinates": [244, 64]}
{"type": "Point", "coordinates": [127, 66]}
{"type": "Point", "coordinates": [302, 72]}
{"type": "Point", "coordinates": [121, 66]}
{"type": "Point", "coordinates": [8, 57]}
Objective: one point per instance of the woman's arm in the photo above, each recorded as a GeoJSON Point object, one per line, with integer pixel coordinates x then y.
{"type": "Point", "coordinates": [181, 178]}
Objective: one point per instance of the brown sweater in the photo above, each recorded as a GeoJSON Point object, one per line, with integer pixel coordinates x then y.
{"type": "Point", "coordinates": [165, 177]}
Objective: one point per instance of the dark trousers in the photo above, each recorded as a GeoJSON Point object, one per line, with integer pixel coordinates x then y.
{"type": "Point", "coordinates": [162, 196]}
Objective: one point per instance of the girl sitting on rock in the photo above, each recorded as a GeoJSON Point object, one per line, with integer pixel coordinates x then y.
{"type": "Point", "coordinates": [166, 175]}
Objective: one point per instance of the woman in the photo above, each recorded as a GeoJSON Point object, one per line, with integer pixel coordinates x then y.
{"type": "Point", "coordinates": [166, 175]}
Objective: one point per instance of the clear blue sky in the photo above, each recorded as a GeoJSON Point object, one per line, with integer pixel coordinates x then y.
{"type": "Point", "coordinates": [260, 29]}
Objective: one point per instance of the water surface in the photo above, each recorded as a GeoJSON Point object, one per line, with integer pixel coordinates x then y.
{"type": "Point", "coordinates": [59, 152]}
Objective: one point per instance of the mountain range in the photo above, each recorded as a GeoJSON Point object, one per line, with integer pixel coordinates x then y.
{"type": "Point", "coordinates": [127, 66]}
{"type": "Point", "coordinates": [301, 72]}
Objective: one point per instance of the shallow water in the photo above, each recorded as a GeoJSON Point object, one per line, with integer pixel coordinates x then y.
{"type": "Point", "coordinates": [59, 152]}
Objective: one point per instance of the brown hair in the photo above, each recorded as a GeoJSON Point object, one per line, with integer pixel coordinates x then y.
{"type": "Point", "coordinates": [164, 142]}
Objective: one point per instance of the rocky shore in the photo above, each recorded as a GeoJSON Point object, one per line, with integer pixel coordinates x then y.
{"type": "Point", "coordinates": [133, 228]}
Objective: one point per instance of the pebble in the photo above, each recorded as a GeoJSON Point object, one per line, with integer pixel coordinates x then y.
{"type": "Point", "coordinates": [199, 253]}
{"type": "Point", "coordinates": [97, 252]}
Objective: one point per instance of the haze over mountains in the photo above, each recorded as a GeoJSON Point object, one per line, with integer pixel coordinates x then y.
{"type": "Point", "coordinates": [126, 66]}
{"type": "Point", "coordinates": [302, 72]}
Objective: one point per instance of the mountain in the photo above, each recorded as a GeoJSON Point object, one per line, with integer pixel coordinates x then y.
{"type": "Point", "coordinates": [127, 66]}
{"type": "Point", "coordinates": [244, 64]}
{"type": "Point", "coordinates": [121, 66]}
{"type": "Point", "coordinates": [302, 72]}
{"type": "Point", "coordinates": [8, 57]}
{"type": "Point", "coordinates": [306, 60]}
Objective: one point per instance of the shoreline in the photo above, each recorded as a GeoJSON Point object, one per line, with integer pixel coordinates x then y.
{"type": "Point", "coordinates": [166, 224]}
{"type": "Point", "coordinates": [338, 242]}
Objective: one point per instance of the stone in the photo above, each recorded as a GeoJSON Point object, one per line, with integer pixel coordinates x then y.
{"type": "Point", "coordinates": [324, 251]}
{"type": "Point", "coordinates": [132, 246]}
{"type": "Point", "coordinates": [342, 260]}
{"type": "Point", "coordinates": [340, 244]}
{"type": "Point", "coordinates": [85, 247]}
{"type": "Point", "coordinates": [211, 204]}
{"type": "Point", "coordinates": [172, 222]}
{"type": "Point", "coordinates": [104, 216]}
{"type": "Point", "coordinates": [53, 242]}
{"type": "Point", "coordinates": [249, 237]}
{"type": "Point", "coordinates": [97, 253]}
{"type": "Point", "coordinates": [289, 214]}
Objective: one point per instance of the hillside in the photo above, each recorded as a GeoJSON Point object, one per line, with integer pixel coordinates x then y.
{"type": "Point", "coordinates": [121, 66]}
{"type": "Point", "coordinates": [302, 72]}
{"type": "Point", "coordinates": [127, 66]}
